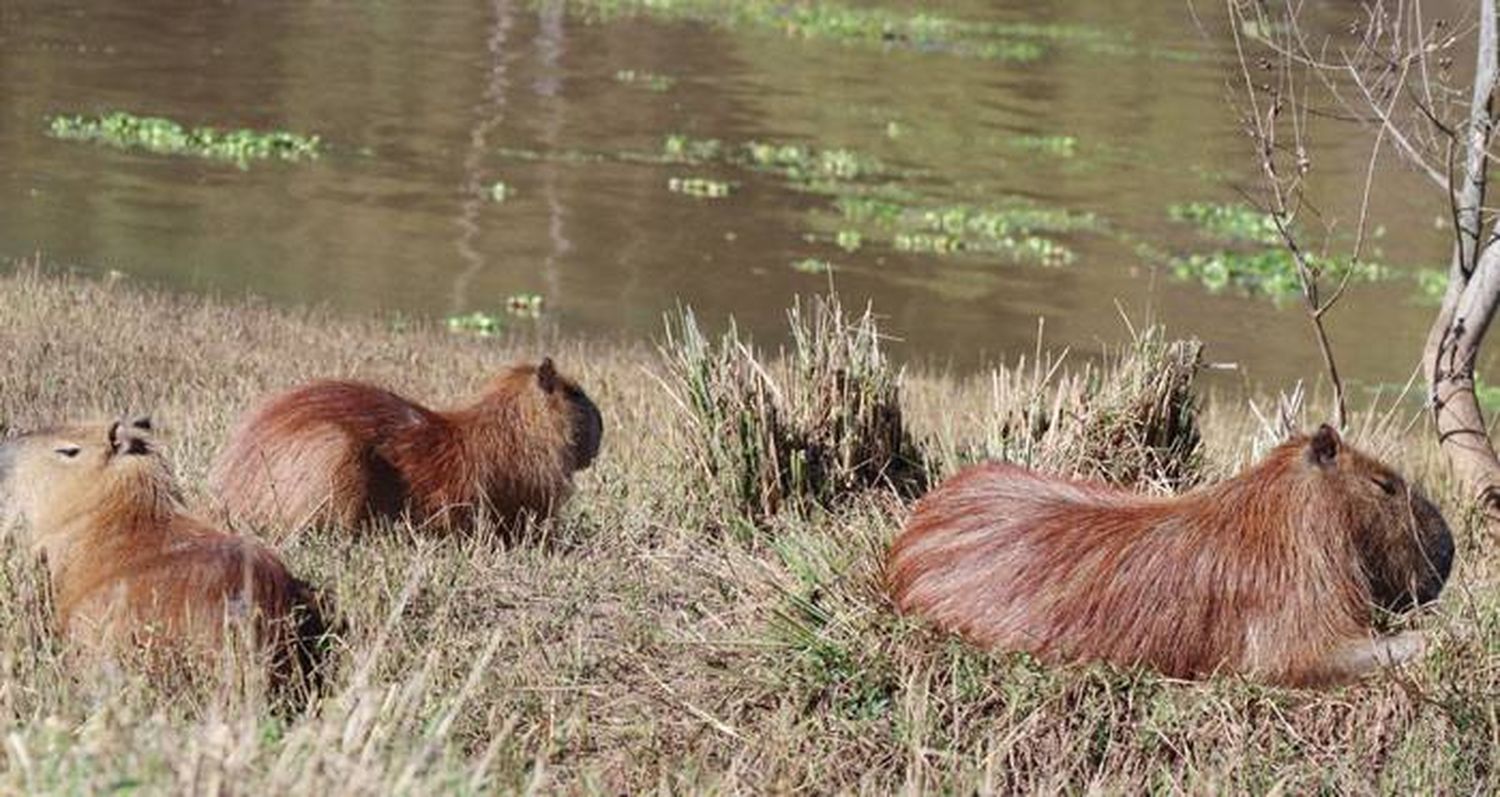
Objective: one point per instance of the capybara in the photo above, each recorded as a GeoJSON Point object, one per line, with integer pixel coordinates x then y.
{"type": "Point", "coordinates": [1276, 574]}
{"type": "Point", "coordinates": [132, 572]}
{"type": "Point", "coordinates": [346, 453]}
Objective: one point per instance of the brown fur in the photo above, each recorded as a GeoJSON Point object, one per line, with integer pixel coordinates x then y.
{"type": "Point", "coordinates": [346, 453]}
{"type": "Point", "coordinates": [1276, 574]}
{"type": "Point", "coordinates": [132, 571]}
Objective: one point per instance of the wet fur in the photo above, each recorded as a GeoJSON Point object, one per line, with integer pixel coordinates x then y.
{"type": "Point", "coordinates": [1276, 574]}
{"type": "Point", "coordinates": [132, 572]}
{"type": "Point", "coordinates": [346, 453]}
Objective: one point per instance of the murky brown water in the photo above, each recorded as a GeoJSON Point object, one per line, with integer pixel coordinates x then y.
{"type": "Point", "coordinates": [424, 105]}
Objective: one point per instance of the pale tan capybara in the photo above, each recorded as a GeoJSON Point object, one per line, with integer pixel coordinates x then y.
{"type": "Point", "coordinates": [1276, 574]}
{"type": "Point", "coordinates": [346, 453]}
{"type": "Point", "coordinates": [133, 573]}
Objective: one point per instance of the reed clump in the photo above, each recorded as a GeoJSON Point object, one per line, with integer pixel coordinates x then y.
{"type": "Point", "coordinates": [820, 423]}
{"type": "Point", "coordinates": [1130, 419]}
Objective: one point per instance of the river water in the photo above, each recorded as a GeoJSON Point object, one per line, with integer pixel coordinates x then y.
{"type": "Point", "coordinates": [1096, 116]}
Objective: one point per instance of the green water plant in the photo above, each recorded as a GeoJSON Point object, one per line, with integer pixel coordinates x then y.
{"type": "Point", "coordinates": [1432, 285]}
{"type": "Point", "coordinates": [1057, 146]}
{"type": "Point", "coordinates": [1227, 221]}
{"type": "Point", "coordinates": [476, 323]}
{"type": "Point", "coordinates": [794, 161]}
{"type": "Point", "coordinates": [889, 28]}
{"type": "Point", "coordinates": [125, 130]}
{"type": "Point", "coordinates": [526, 305]}
{"type": "Point", "coordinates": [1015, 228]}
{"type": "Point", "coordinates": [700, 187]}
{"type": "Point", "coordinates": [812, 265]}
{"type": "Point", "coordinates": [1271, 272]}
{"type": "Point", "coordinates": [849, 240]}
{"type": "Point", "coordinates": [651, 81]}
{"type": "Point", "coordinates": [835, 22]}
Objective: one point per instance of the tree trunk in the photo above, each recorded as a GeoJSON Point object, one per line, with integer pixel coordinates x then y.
{"type": "Point", "coordinates": [1453, 344]}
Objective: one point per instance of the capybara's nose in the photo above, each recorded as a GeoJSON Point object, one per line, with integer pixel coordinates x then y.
{"type": "Point", "coordinates": [1444, 558]}
{"type": "Point", "coordinates": [1435, 544]}
{"type": "Point", "coordinates": [137, 446]}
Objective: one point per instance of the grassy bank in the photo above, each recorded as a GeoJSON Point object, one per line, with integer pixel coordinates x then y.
{"type": "Point", "coordinates": [651, 638]}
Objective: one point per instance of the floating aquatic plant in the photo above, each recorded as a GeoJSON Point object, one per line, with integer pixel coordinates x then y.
{"type": "Point", "coordinates": [1227, 222]}
{"type": "Point", "coordinates": [874, 201]}
{"type": "Point", "coordinates": [499, 191]}
{"type": "Point", "coordinates": [164, 136]}
{"type": "Point", "coordinates": [889, 28]}
{"type": "Point", "coordinates": [826, 21]}
{"type": "Point", "coordinates": [701, 187]}
{"type": "Point", "coordinates": [1015, 228]}
{"type": "Point", "coordinates": [796, 162]}
{"type": "Point", "coordinates": [682, 148]}
{"type": "Point", "coordinates": [647, 80]}
{"type": "Point", "coordinates": [1432, 283]}
{"type": "Point", "coordinates": [527, 305]}
{"type": "Point", "coordinates": [812, 265]}
{"type": "Point", "coordinates": [1057, 146]}
{"type": "Point", "coordinates": [477, 323]}
{"type": "Point", "coordinates": [1272, 272]}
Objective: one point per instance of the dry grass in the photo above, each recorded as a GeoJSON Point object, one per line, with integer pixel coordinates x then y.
{"type": "Point", "coordinates": [818, 425]}
{"type": "Point", "coordinates": [633, 648]}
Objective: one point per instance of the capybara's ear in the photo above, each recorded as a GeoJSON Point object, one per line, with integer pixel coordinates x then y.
{"type": "Point", "coordinates": [1323, 446]}
{"type": "Point", "coordinates": [546, 375]}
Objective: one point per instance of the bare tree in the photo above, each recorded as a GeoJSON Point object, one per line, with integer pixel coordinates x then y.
{"type": "Point", "coordinates": [1395, 81]}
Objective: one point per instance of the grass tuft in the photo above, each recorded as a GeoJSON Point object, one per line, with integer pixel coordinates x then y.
{"type": "Point", "coordinates": [824, 423]}
{"type": "Point", "coordinates": [1130, 420]}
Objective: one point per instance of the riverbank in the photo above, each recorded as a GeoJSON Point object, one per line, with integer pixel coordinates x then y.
{"type": "Point", "coordinates": [647, 639]}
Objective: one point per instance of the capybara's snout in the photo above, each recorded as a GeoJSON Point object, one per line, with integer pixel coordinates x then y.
{"type": "Point", "coordinates": [590, 434]}
{"type": "Point", "coordinates": [1437, 549]}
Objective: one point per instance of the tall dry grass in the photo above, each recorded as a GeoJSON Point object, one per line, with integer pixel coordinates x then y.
{"type": "Point", "coordinates": [633, 648]}
{"type": "Point", "coordinates": [820, 423]}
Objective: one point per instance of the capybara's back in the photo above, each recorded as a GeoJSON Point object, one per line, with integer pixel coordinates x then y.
{"type": "Point", "coordinates": [1274, 574]}
{"type": "Point", "coordinates": [312, 454]}
{"type": "Point", "coordinates": [346, 453]}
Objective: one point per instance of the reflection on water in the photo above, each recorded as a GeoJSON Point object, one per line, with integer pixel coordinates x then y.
{"type": "Point", "coordinates": [425, 106]}
{"type": "Point", "coordinates": [488, 114]}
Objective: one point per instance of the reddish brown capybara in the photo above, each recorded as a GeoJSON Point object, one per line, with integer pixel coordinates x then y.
{"type": "Point", "coordinates": [131, 571]}
{"type": "Point", "coordinates": [1276, 574]}
{"type": "Point", "coordinates": [346, 453]}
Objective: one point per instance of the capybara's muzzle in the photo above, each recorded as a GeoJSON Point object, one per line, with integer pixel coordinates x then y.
{"type": "Point", "coordinates": [1436, 543]}
{"type": "Point", "coordinates": [1440, 559]}
{"type": "Point", "coordinates": [590, 433]}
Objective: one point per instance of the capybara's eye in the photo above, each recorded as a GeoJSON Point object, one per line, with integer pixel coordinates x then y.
{"type": "Point", "coordinates": [1387, 485]}
{"type": "Point", "coordinates": [69, 451]}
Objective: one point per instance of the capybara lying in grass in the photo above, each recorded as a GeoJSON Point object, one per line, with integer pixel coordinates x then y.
{"type": "Point", "coordinates": [346, 453]}
{"type": "Point", "coordinates": [133, 573]}
{"type": "Point", "coordinates": [1276, 574]}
